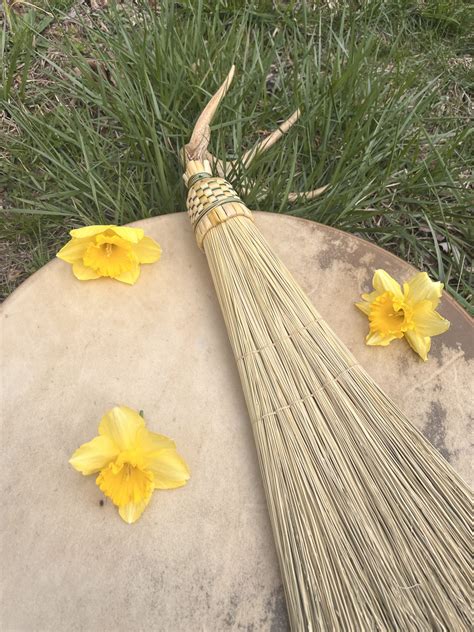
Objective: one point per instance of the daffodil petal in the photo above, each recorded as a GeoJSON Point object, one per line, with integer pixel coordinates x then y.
{"type": "Point", "coordinates": [420, 344]}
{"type": "Point", "coordinates": [133, 235]}
{"type": "Point", "coordinates": [83, 273]}
{"type": "Point", "coordinates": [74, 250]}
{"type": "Point", "coordinates": [428, 322]}
{"type": "Point", "coordinates": [169, 469]}
{"type": "Point", "coordinates": [422, 288]}
{"type": "Point", "coordinates": [132, 511]}
{"type": "Point", "coordinates": [147, 250]}
{"type": "Point", "coordinates": [89, 231]}
{"type": "Point", "coordinates": [121, 425]}
{"type": "Point", "coordinates": [91, 457]}
{"type": "Point", "coordinates": [151, 442]}
{"type": "Point", "coordinates": [371, 296]}
{"type": "Point", "coordinates": [375, 339]}
{"type": "Point", "coordinates": [364, 307]}
{"type": "Point", "coordinates": [383, 282]}
{"type": "Point", "coordinates": [130, 276]}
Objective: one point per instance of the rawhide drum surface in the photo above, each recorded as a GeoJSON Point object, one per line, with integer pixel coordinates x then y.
{"type": "Point", "coordinates": [201, 557]}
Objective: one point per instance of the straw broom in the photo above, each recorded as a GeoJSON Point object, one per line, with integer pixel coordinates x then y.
{"type": "Point", "coordinates": [371, 524]}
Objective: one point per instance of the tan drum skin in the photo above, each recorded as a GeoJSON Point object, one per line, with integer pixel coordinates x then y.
{"type": "Point", "coordinates": [201, 557]}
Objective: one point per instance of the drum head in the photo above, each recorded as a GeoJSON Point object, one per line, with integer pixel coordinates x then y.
{"type": "Point", "coordinates": [201, 557]}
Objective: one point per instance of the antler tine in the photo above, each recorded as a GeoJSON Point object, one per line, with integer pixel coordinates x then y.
{"type": "Point", "coordinates": [269, 141]}
{"type": "Point", "coordinates": [306, 195]}
{"type": "Point", "coordinates": [197, 146]}
{"type": "Point", "coordinates": [225, 168]}
{"type": "Point", "coordinates": [196, 149]}
{"type": "Point", "coordinates": [259, 148]}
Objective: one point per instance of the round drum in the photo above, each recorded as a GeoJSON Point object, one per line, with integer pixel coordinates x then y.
{"type": "Point", "coordinates": [201, 557]}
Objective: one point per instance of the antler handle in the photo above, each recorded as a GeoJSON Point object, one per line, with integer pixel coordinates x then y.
{"type": "Point", "coordinates": [212, 200]}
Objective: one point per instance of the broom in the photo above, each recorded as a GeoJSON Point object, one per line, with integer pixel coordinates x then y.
{"type": "Point", "coordinates": [371, 524]}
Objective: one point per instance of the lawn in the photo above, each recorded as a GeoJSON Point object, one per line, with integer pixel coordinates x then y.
{"type": "Point", "coordinates": [98, 100]}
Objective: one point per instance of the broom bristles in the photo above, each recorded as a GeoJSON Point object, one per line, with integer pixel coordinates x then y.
{"type": "Point", "coordinates": [371, 524]}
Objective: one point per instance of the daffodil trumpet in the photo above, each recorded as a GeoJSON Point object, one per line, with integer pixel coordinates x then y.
{"type": "Point", "coordinates": [131, 461]}
{"type": "Point", "coordinates": [109, 251]}
{"type": "Point", "coordinates": [395, 312]}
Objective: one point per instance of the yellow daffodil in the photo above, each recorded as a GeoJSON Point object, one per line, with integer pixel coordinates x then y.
{"type": "Point", "coordinates": [410, 313]}
{"type": "Point", "coordinates": [131, 461]}
{"type": "Point", "coordinates": [109, 251]}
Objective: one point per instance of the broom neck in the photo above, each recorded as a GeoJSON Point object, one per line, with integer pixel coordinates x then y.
{"type": "Point", "coordinates": [196, 170]}
{"type": "Point", "coordinates": [211, 200]}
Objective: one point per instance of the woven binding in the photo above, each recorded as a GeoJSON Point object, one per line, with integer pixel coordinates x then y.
{"type": "Point", "coordinates": [210, 201]}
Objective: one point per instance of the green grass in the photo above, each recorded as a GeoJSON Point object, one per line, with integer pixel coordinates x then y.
{"type": "Point", "coordinates": [96, 110]}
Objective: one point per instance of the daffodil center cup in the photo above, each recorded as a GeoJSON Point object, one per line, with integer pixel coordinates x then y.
{"type": "Point", "coordinates": [389, 315]}
{"type": "Point", "coordinates": [109, 248]}
{"type": "Point", "coordinates": [110, 255]}
{"type": "Point", "coordinates": [126, 480]}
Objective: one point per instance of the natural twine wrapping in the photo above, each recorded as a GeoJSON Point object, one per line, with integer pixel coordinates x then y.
{"type": "Point", "coordinates": [211, 200]}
